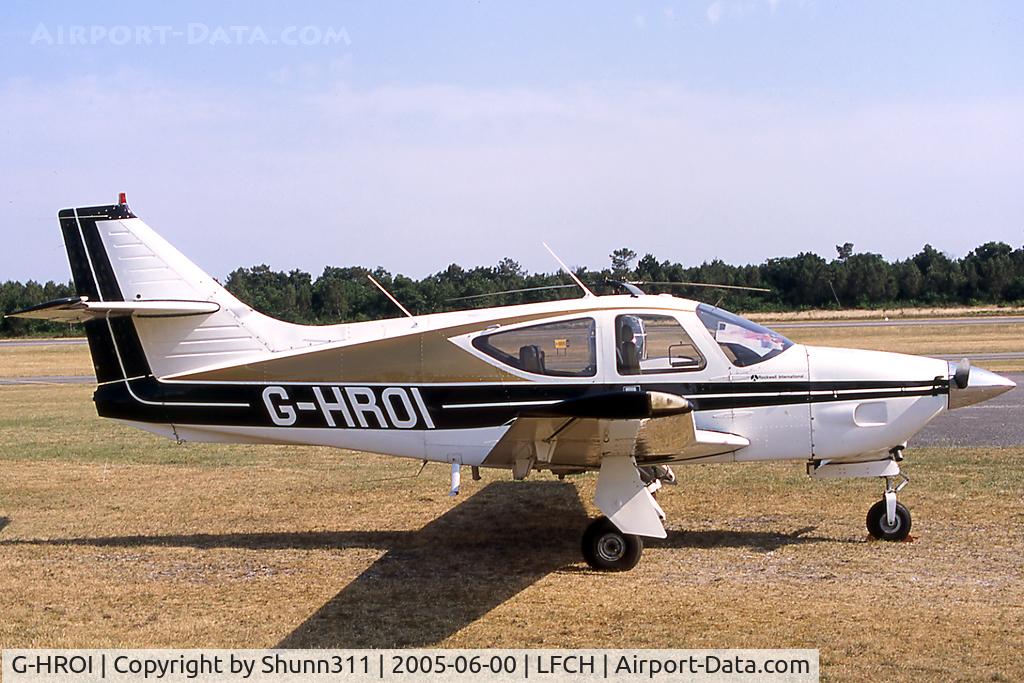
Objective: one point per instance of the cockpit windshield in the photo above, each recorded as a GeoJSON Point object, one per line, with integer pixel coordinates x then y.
{"type": "Point", "coordinates": [744, 342]}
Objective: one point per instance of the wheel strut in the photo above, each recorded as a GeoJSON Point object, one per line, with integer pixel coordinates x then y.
{"type": "Point", "coordinates": [889, 496]}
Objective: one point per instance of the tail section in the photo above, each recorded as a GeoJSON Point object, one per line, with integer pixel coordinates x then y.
{"type": "Point", "coordinates": [153, 311]}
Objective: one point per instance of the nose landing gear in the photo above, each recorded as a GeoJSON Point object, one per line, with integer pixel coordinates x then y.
{"type": "Point", "coordinates": [887, 519]}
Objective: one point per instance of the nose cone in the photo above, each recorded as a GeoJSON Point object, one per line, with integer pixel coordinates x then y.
{"type": "Point", "coordinates": [980, 385]}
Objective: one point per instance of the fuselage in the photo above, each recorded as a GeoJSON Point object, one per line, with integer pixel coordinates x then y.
{"type": "Point", "coordinates": [445, 387]}
{"type": "Point", "coordinates": [624, 385]}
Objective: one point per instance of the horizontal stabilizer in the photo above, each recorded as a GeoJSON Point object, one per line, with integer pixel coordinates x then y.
{"type": "Point", "coordinates": [78, 309]}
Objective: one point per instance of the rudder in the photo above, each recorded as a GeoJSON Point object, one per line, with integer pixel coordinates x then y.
{"type": "Point", "coordinates": [116, 257]}
{"type": "Point", "coordinates": [113, 343]}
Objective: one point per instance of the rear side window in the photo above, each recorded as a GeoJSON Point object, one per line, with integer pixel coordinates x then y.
{"type": "Point", "coordinates": [561, 349]}
{"type": "Point", "coordinates": [653, 344]}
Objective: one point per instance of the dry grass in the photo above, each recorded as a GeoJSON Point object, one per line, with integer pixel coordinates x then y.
{"type": "Point", "coordinates": [117, 538]}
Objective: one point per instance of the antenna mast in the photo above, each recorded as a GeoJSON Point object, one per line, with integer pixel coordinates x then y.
{"type": "Point", "coordinates": [586, 292]}
{"type": "Point", "coordinates": [388, 295]}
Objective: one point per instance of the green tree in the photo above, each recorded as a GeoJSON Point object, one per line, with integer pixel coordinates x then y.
{"type": "Point", "coordinates": [867, 279]}
{"type": "Point", "coordinates": [800, 280]}
{"type": "Point", "coordinates": [943, 277]}
{"type": "Point", "coordinates": [909, 281]}
{"type": "Point", "coordinates": [988, 271]}
{"type": "Point", "coordinates": [622, 262]}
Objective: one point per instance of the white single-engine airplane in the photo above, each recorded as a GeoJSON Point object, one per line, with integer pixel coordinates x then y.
{"type": "Point", "coordinates": [625, 385]}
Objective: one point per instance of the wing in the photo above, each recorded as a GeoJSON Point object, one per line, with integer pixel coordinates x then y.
{"type": "Point", "coordinates": [583, 442]}
{"type": "Point", "coordinates": [651, 427]}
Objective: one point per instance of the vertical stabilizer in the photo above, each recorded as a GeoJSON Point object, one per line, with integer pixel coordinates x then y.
{"type": "Point", "coordinates": [115, 256]}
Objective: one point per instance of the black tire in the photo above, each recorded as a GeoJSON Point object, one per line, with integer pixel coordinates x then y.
{"type": "Point", "coordinates": [608, 549]}
{"type": "Point", "coordinates": [880, 528]}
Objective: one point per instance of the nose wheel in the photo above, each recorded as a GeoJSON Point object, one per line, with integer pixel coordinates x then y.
{"type": "Point", "coordinates": [889, 520]}
{"type": "Point", "coordinates": [606, 548]}
{"type": "Point", "coordinates": [881, 528]}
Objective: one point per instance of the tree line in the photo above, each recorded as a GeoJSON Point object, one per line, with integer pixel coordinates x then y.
{"type": "Point", "coordinates": [993, 273]}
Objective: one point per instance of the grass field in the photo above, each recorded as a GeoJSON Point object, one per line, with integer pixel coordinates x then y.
{"type": "Point", "coordinates": [35, 361]}
{"type": "Point", "coordinates": [112, 537]}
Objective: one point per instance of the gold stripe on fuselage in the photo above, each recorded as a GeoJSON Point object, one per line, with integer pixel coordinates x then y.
{"type": "Point", "coordinates": [411, 358]}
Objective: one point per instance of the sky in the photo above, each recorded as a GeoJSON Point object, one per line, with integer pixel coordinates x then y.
{"type": "Point", "coordinates": [415, 135]}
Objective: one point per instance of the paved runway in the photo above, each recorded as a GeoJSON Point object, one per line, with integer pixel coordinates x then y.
{"type": "Point", "coordinates": [995, 355]}
{"type": "Point", "coordinates": [903, 322]}
{"type": "Point", "coordinates": [48, 379]}
{"type": "Point", "coordinates": [992, 423]}
{"type": "Point", "coordinates": [71, 341]}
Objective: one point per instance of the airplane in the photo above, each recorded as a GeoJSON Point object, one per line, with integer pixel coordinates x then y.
{"type": "Point", "coordinates": [625, 385]}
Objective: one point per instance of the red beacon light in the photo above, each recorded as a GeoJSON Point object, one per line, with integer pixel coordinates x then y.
{"type": "Point", "coordinates": [122, 198]}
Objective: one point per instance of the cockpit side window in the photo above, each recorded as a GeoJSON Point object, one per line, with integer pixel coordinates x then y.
{"type": "Point", "coordinates": [744, 342]}
{"type": "Point", "coordinates": [566, 348]}
{"type": "Point", "coordinates": [653, 344]}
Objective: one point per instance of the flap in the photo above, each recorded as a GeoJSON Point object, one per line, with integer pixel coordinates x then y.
{"type": "Point", "coordinates": [676, 439]}
{"type": "Point", "coordinates": [78, 309]}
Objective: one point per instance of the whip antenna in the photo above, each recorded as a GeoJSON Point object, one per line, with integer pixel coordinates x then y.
{"type": "Point", "coordinates": [586, 292]}
{"type": "Point", "coordinates": [509, 291]}
{"type": "Point", "coordinates": [388, 295]}
{"type": "Point", "coordinates": [710, 285]}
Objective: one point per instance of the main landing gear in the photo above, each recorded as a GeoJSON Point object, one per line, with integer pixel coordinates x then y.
{"type": "Point", "coordinates": [606, 548]}
{"type": "Point", "coordinates": [625, 494]}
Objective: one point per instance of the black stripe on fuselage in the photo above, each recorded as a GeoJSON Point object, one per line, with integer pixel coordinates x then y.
{"type": "Point", "coordinates": [447, 406]}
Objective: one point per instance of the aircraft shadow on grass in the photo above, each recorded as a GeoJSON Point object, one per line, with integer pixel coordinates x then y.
{"type": "Point", "coordinates": [761, 541]}
{"type": "Point", "coordinates": [454, 570]}
{"type": "Point", "coordinates": [432, 582]}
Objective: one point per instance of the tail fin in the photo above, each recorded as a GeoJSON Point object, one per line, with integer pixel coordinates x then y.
{"type": "Point", "coordinates": [116, 257]}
